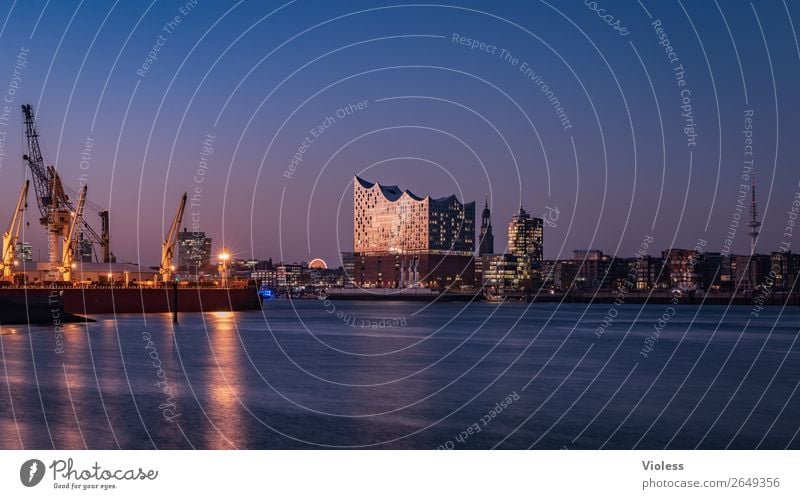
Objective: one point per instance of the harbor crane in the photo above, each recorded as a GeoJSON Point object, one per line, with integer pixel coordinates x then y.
{"type": "Point", "coordinates": [55, 207]}
{"type": "Point", "coordinates": [11, 236]}
{"type": "Point", "coordinates": [70, 240]}
{"type": "Point", "coordinates": [168, 246]}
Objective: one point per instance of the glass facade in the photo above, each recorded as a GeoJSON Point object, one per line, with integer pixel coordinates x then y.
{"type": "Point", "coordinates": [525, 236]}
{"type": "Point", "coordinates": [388, 220]}
{"type": "Point", "coordinates": [24, 252]}
{"type": "Point", "coordinates": [401, 240]}
{"type": "Point", "coordinates": [194, 250]}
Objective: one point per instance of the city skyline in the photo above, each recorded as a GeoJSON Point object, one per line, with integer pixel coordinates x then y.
{"type": "Point", "coordinates": [28, 250]}
{"type": "Point", "coordinates": [266, 144]}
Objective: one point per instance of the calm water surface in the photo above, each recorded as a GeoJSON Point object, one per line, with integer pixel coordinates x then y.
{"type": "Point", "coordinates": [406, 375]}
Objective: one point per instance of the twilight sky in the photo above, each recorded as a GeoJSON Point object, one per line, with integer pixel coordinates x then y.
{"type": "Point", "coordinates": [408, 95]}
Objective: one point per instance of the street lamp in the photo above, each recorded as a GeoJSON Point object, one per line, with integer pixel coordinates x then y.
{"type": "Point", "coordinates": [224, 256]}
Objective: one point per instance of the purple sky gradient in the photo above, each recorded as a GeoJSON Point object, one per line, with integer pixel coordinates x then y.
{"type": "Point", "coordinates": [437, 117]}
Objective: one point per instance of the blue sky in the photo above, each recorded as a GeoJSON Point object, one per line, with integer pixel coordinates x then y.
{"type": "Point", "coordinates": [437, 117]}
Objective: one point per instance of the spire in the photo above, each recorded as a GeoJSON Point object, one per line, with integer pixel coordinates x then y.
{"type": "Point", "coordinates": [754, 224]}
{"type": "Point", "coordinates": [486, 242]}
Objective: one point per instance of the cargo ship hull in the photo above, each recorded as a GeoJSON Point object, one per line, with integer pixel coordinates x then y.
{"type": "Point", "coordinates": [20, 306]}
{"type": "Point", "coordinates": [88, 301]}
{"type": "Point", "coordinates": [145, 301]}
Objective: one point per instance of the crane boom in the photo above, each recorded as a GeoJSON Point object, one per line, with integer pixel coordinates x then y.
{"type": "Point", "coordinates": [11, 236]}
{"type": "Point", "coordinates": [168, 246]}
{"type": "Point", "coordinates": [46, 198]}
{"type": "Point", "coordinates": [41, 183]}
{"type": "Point", "coordinates": [68, 251]}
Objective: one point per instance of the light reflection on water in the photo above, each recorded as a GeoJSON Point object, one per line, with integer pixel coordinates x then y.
{"type": "Point", "coordinates": [225, 381]}
{"type": "Point", "coordinates": [247, 380]}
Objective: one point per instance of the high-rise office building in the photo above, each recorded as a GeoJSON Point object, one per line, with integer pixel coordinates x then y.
{"type": "Point", "coordinates": [23, 252]}
{"type": "Point", "coordinates": [525, 236]}
{"type": "Point", "coordinates": [519, 270]}
{"type": "Point", "coordinates": [194, 251]}
{"type": "Point", "coordinates": [85, 249]}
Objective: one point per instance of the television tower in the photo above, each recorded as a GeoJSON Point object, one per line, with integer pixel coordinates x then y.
{"type": "Point", "coordinates": [754, 224]}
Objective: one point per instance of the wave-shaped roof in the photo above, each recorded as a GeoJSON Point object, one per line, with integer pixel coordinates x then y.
{"type": "Point", "coordinates": [390, 192]}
